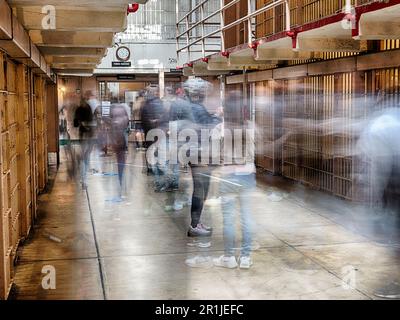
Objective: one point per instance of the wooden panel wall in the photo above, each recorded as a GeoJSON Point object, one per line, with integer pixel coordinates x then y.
{"type": "Point", "coordinates": [52, 118]}
{"type": "Point", "coordinates": [41, 132]}
{"type": "Point", "coordinates": [23, 159]}
{"type": "Point", "coordinates": [6, 235]}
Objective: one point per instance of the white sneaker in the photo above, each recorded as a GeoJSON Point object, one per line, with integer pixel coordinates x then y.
{"type": "Point", "coordinates": [245, 262]}
{"type": "Point", "coordinates": [199, 262]}
{"type": "Point", "coordinates": [178, 206]}
{"type": "Point", "coordinates": [225, 262]}
{"type": "Point", "coordinates": [199, 244]}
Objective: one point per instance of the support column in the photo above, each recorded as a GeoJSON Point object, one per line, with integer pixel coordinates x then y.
{"type": "Point", "coordinates": [161, 82]}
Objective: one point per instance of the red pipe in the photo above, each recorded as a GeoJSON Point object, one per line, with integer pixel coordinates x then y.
{"type": "Point", "coordinates": [254, 45]}
{"type": "Point", "coordinates": [225, 54]}
{"type": "Point", "coordinates": [132, 8]}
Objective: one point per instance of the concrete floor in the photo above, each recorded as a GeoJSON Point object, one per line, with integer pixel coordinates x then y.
{"type": "Point", "coordinates": [310, 244]}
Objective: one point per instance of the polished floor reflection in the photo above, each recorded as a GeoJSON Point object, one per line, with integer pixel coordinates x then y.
{"type": "Point", "coordinates": [308, 244]}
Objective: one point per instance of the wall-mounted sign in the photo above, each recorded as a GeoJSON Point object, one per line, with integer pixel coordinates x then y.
{"type": "Point", "coordinates": [126, 77]}
{"type": "Point", "coordinates": [180, 71]}
{"type": "Point", "coordinates": [121, 64]}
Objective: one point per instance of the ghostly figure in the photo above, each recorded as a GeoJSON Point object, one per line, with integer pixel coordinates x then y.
{"type": "Point", "coordinates": [379, 147]}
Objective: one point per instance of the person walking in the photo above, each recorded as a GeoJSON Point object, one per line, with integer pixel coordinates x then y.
{"type": "Point", "coordinates": [196, 91]}
{"type": "Point", "coordinates": [237, 185]}
{"type": "Point", "coordinates": [119, 122]}
{"type": "Point", "coordinates": [84, 119]}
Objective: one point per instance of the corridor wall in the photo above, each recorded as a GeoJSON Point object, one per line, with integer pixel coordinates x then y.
{"type": "Point", "coordinates": [307, 125]}
{"type": "Point", "coordinates": [23, 160]}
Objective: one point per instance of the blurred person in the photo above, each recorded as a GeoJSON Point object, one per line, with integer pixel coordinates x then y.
{"type": "Point", "coordinates": [84, 119]}
{"type": "Point", "coordinates": [195, 93]}
{"type": "Point", "coordinates": [152, 110]}
{"type": "Point", "coordinates": [237, 183]}
{"type": "Point", "coordinates": [378, 146]}
{"type": "Point", "coordinates": [180, 92]}
{"type": "Point", "coordinates": [178, 113]}
{"type": "Point", "coordinates": [150, 115]}
{"type": "Point", "coordinates": [119, 122]}
{"type": "Point", "coordinates": [155, 116]}
{"type": "Point", "coordinates": [103, 135]}
{"type": "Point", "coordinates": [180, 117]}
{"type": "Point", "coordinates": [138, 127]}
{"type": "Point", "coordinates": [92, 101]}
{"type": "Point", "coordinates": [128, 111]}
{"type": "Point", "coordinates": [66, 142]}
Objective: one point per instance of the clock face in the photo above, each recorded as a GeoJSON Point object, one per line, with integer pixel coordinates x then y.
{"type": "Point", "coordinates": [123, 53]}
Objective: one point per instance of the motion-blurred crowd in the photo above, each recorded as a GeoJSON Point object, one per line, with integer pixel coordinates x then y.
{"type": "Point", "coordinates": [179, 134]}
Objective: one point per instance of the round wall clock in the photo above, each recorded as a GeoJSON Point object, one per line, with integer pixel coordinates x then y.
{"type": "Point", "coordinates": [123, 53]}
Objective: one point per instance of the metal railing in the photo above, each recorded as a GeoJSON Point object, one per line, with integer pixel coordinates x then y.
{"type": "Point", "coordinates": [219, 33]}
{"type": "Point", "coordinates": [154, 21]}
{"type": "Point", "coordinates": [192, 35]}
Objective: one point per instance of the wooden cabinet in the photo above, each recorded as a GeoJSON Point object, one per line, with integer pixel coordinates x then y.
{"type": "Point", "coordinates": [23, 156]}
{"type": "Point", "coordinates": [3, 113]}
{"type": "Point", "coordinates": [5, 194]}
{"type": "Point", "coordinates": [26, 108]}
{"type": "Point", "coordinates": [15, 201]}
{"type": "Point", "coordinates": [10, 76]}
{"type": "Point", "coordinates": [14, 232]}
{"type": "Point", "coordinates": [11, 109]}
{"type": "Point", "coordinates": [13, 172]}
{"type": "Point", "coordinates": [12, 135]}
{"type": "Point", "coordinates": [27, 190]}
{"type": "Point", "coordinates": [5, 275]}
{"type": "Point", "coordinates": [27, 166]}
{"type": "Point", "coordinates": [2, 73]}
{"type": "Point", "coordinates": [5, 234]}
{"type": "Point", "coordinates": [5, 152]}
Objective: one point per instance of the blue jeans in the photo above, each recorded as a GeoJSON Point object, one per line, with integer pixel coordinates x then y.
{"type": "Point", "coordinates": [86, 150]}
{"type": "Point", "coordinates": [159, 175]}
{"type": "Point", "coordinates": [173, 179]}
{"type": "Point", "coordinates": [236, 191]}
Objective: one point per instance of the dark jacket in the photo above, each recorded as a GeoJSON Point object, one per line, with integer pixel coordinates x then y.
{"type": "Point", "coordinates": [84, 120]}
{"type": "Point", "coordinates": [199, 119]}
{"type": "Point", "coordinates": [119, 123]}
{"type": "Point", "coordinates": [152, 114]}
